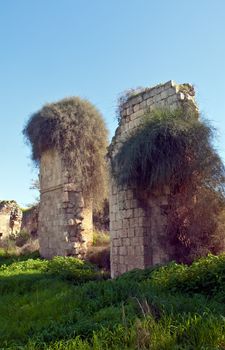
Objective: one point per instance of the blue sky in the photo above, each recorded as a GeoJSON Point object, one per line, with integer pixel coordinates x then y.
{"type": "Point", "coordinates": [96, 49]}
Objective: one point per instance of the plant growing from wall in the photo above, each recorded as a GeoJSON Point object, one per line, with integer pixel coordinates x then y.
{"type": "Point", "coordinates": [77, 130]}
{"type": "Point", "coordinates": [176, 150]}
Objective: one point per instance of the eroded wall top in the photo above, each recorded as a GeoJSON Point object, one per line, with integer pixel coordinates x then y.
{"type": "Point", "coordinates": [136, 103]}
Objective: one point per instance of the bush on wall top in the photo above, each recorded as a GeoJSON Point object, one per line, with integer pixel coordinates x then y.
{"type": "Point", "coordinates": [77, 130]}
{"type": "Point", "coordinates": [170, 149]}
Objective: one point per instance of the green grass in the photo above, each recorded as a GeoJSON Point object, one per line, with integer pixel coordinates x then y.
{"type": "Point", "coordinates": [101, 238]}
{"type": "Point", "coordinates": [67, 304]}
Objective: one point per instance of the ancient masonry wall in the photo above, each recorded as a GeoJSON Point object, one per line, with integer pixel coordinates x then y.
{"type": "Point", "coordinates": [10, 218]}
{"type": "Point", "coordinates": [138, 220]}
{"type": "Point", "coordinates": [64, 223]}
{"type": "Point", "coordinates": [30, 221]}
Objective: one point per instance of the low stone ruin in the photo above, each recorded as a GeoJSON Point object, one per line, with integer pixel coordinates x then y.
{"type": "Point", "coordinates": [10, 218]}
{"type": "Point", "coordinates": [30, 221]}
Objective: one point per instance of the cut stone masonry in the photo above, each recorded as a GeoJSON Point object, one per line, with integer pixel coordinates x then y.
{"type": "Point", "coordinates": [10, 218]}
{"type": "Point", "coordinates": [138, 220]}
{"type": "Point", "coordinates": [64, 222]}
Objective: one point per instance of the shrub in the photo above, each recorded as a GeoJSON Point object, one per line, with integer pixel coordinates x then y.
{"type": "Point", "coordinates": [101, 238]}
{"type": "Point", "coordinates": [76, 129]}
{"type": "Point", "coordinates": [99, 253]}
{"type": "Point", "coordinates": [196, 225]}
{"type": "Point", "coordinates": [100, 256]}
{"type": "Point", "coordinates": [175, 150]}
{"type": "Point", "coordinates": [169, 148]}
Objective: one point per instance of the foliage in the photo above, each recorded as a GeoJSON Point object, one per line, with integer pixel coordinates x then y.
{"type": "Point", "coordinates": [174, 150]}
{"type": "Point", "coordinates": [76, 129]}
{"type": "Point", "coordinates": [101, 238]}
{"type": "Point", "coordinates": [101, 216]}
{"type": "Point", "coordinates": [99, 252]}
{"type": "Point", "coordinates": [162, 308]}
{"type": "Point", "coordinates": [171, 149]}
{"type": "Point", "coordinates": [196, 224]}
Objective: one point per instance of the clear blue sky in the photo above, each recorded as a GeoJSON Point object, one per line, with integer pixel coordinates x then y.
{"type": "Point", "coordinates": [95, 49]}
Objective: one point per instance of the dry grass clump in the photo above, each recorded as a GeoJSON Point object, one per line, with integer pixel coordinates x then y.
{"type": "Point", "coordinates": [77, 130]}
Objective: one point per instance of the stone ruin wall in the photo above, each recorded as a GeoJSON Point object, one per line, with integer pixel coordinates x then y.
{"type": "Point", "coordinates": [138, 220]}
{"type": "Point", "coordinates": [14, 220]}
{"type": "Point", "coordinates": [64, 223]}
{"type": "Point", "coordinates": [30, 221]}
{"type": "Point", "coordinates": [10, 218]}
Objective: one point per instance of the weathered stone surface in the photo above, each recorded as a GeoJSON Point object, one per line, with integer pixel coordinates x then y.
{"type": "Point", "coordinates": [30, 221]}
{"type": "Point", "coordinates": [64, 222]}
{"type": "Point", "coordinates": [138, 220]}
{"type": "Point", "coordinates": [10, 218]}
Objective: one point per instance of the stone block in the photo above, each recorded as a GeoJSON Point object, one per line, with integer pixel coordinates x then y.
{"type": "Point", "coordinates": [133, 203]}
{"type": "Point", "coordinates": [129, 110]}
{"type": "Point", "coordinates": [136, 99]}
{"type": "Point", "coordinates": [139, 232]}
{"type": "Point", "coordinates": [65, 197]}
{"type": "Point", "coordinates": [163, 94]}
{"type": "Point", "coordinates": [149, 94]}
{"type": "Point", "coordinates": [128, 213]}
{"type": "Point", "coordinates": [130, 252]}
{"type": "Point", "coordinates": [121, 259]}
{"type": "Point", "coordinates": [116, 242]}
{"type": "Point", "coordinates": [143, 105]}
{"type": "Point", "coordinates": [139, 250]}
{"type": "Point", "coordinates": [137, 114]}
{"type": "Point", "coordinates": [71, 187]}
{"type": "Point", "coordinates": [122, 250]}
{"type": "Point", "coordinates": [129, 194]}
{"type": "Point", "coordinates": [125, 241]}
{"type": "Point", "coordinates": [136, 107]}
{"type": "Point", "coordinates": [131, 232]}
{"type": "Point", "coordinates": [125, 223]}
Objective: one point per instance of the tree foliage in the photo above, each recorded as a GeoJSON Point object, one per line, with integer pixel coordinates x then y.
{"type": "Point", "coordinates": [77, 130]}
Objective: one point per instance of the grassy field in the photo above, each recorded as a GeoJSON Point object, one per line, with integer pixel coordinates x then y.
{"type": "Point", "coordinates": [68, 304]}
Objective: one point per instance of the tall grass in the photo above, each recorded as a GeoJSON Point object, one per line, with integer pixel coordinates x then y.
{"type": "Point", "coordinates": [54, 305]}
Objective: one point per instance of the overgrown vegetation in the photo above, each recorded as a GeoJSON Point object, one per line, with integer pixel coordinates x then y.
{"type": "Point", "coordinates": [77, 130]}
{"type": "Point", "coordinates": [66, 304]}
{"type": "Point", "coordinates": [101, 216]}
{"type": "Point", "coordinates": [99, 252]}
{"type": "Point", "coordinates": [19, 243]}
{"type": "Point", "coordinates": [174, 150]}
{"type": "Point", "coordinates": [170, 149]}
